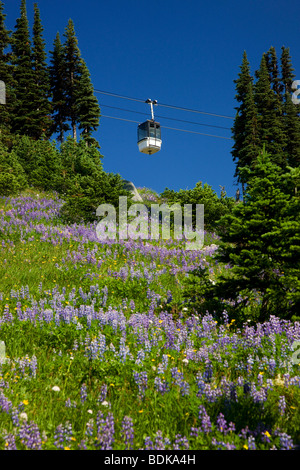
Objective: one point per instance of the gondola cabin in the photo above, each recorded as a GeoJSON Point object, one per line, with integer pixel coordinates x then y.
{"type": "Point", "coordinates": [149, 137]}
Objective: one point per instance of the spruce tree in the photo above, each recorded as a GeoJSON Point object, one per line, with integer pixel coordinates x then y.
{"type": "Point", "coordinates": [272, 66]}
{"type": "Point", "coordinates": [292, 130]}
{"type": "Point", "coordinates": [5, 73]}
{"type": "Point", "coordinates": [271, 127]}
{"type": "Point", "coordinates": [262, 245]}
{"type": "Point", "coordinates": [58, 90]}
{"type": "Point", "coordinates": [287, 71]}
{"type": "Point", "coordinates": [24, 115]}
{"type": "Point", "coordinates": [72, 69]}
{"type": "Point", "coordinates": [88, 110]}
{"type": "Point", "coordinates": [245, 126]}
{"type": "Point", "coordinates": [41, 79]}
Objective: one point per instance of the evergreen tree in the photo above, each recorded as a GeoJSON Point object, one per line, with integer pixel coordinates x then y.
{"type": "Point", "coordinates": [84, 184]}
{"type": "Point", "coordinates": [72, 69]}
{"type": "Point", "coordinates": [5, 72]}
{"type": "Point", "coordinates": [262, 244]}
{"type": "Point", "coordinates": [58, 90]}
{"type": "Point", "coordinates": [41, 79]}
{"type": "Point", "coordinates": [24, 115]}
{"type": "Point", "coordinates": [287, 75]}
{"type": "Point", "coordinates": [12, 175]}
{"type": "Point", "coordinates": [271, 127]}
{"type": "Point", "coordinates": [245, 133]}
{"type": "Point", "coordinates": [292, 130]}
{"type": "Point", "coordinates": [272, 66]}
{"type": "Point", "coordinates": [88, 110]}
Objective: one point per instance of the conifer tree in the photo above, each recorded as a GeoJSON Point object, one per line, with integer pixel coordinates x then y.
{"type": "Point", "coordinates": [262, 243]}
{"type": "Point", "coordinates": [5, 72]}
{"type": "Point", "coordinates": [58, 90]}
{"type": "Point", "coordinates": [244, 130]}
{"type": "Point", "coordinates": [88, 110]}
{"type": "Point", "coordinates": [41, 79]}
{"type": "Point", "coordinates": [271, 127]}
{"type": "Point", "coordinates": [72, 69]}
{"type": "Point", "coordinates": [287, 71]}
{"type": "Point", "coordinates": [292, 130]}
{"type": "Point", "coordinates": [24, 117]}
{"type": "Point", "coordinates": [272, 66]}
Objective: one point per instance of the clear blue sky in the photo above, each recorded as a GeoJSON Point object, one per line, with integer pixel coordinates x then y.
{"type": "Point", "coordinates": [185, 54]}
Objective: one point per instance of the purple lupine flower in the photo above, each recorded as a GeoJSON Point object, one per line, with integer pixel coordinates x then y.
{"type": "Point", "coordinates": [141, 379]}
{"type": "Point", "coordinates": [105, 431]}
{"type": "Point", "coordinates": [251, 443]}
{"type": "Point", "coordinates": [181, 443]}
{"type": "Point", "coordinates": [5, 403]}
{"type": "Point", "coordinates": [148, 443]}
{"type": "Point", "coordinates": [30, 436]}
{"type": "Point", "coordinates": [282, 405]}
{"type": "Point", "coordinates": [161, 385]}
{"type": "Point", "coordinates": [140, 356]}
{"type": "Point", "coordinates": [205, 420]}
{"type": "Point", "coordinates": [127, 432]}
{"type": "Point", "coordinates": [89, 428]}
{"type": "Point", "coordinates": [10, 442]}
{"type": "Point", "coordinates": [285, 441]}
{"type": "Point", "coordinates": [33, 365]}
{"type": "Point", "coordinates": [222, 424]}
{"type": "Point", "coordinates": [103, 393]}
{"type": "Point", "coordinates": [200, 384]}
{"type": "Point", "coordinates": [83, 393]}
{"type": "Point", "coordinates": [15, 416]}
{"type": "Point", "coordinates": [160, 443]}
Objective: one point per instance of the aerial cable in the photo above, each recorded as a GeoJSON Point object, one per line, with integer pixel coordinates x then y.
{"type": "Point", "coordinates": [163, 105]}
{"type": "Point", "coordinates": [172, 128]}
{"type": "Point", "coordinates": [165, 117]}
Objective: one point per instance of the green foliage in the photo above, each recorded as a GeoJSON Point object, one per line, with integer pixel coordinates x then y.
{"type": "Point", "coordinates": [84, 184]}
{"type": "Point", "coordinates": [265, 114]}
{"type": "Point", "coordinates": [25, 120]}
{"type": "Point", "coordinates": [262, 243]}
{"type": "Point", "coordinates": [214, 207]}
{"type": "Point", "coordinates": [42, 104]}
{"type": "Point", "coordinates": [41, 162]}
{"type": "Point", "coordinates": [199, 293]}
{"type": "Point", "coordinates": [12, 175]}
{"type": "Point", "coordinates": [58, 91]}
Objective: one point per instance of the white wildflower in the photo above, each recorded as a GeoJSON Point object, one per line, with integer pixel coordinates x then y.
{"type": "Point", "coordinates": [23, 416]}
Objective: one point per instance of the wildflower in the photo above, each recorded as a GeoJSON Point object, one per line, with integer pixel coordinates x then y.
{"type": "Point", "coordinates": [25, 402]}
{"type": "Point", "coordinates": [56, 388]}
{"type": "Point", "coordinates": [282, 405]}
{"type": "Point", "coordinates": [23, 416]}
{"type": "Point", "coordinates": [127, 432]}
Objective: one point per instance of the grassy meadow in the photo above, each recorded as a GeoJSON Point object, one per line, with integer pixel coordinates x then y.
{"type": "Point", "coordinates": [101, 352]}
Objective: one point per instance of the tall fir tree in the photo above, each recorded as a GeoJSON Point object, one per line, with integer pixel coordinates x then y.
{"type": "Point", "coordinates": [273, 69]}
{"type": "Point", "coordinates": [88, 110]}
{"type": "Point", "coordinates": [292, 130]}
{"type": "Point", "coordinates": [72, 69]}
{"type": "Point", "coordinates": [271, 127]}
{"type": "Point", "coordinates": [262, 244]}
{"type": "Point", "coordinates": [58, 90]}
{"type": "Point", "coordinates": [287, 71]}
{"type": "Point", "coordinates": [41, 78]}
{"type": "Point", "coordinates": [244, 129]}
{"type": "Point", "coordinates": [5, 73]}
{"type": "Point", "coordinates": [24, 115]}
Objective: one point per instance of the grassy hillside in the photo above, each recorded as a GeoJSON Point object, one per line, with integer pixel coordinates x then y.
{"type": "Point", "coordinates": [102, 353]}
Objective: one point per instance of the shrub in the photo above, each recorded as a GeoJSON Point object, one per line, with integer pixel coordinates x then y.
{"type": "Point", "coordinates": [12, 175]}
